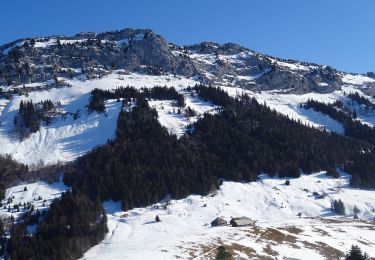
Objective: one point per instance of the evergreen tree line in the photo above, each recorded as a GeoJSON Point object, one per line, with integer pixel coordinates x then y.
{"type": "Point", "coordinates": [28, 118]}
{"type": "Point", "coordinates": [144, 162]}
{"type": "Point", "coordinates": [72, 225]}
{"type": "Point", "coordinates": [361, 167]}
{"type": "Point", "coordinates": [11, 172]}
{"type": "Point", "coordinates": [353, 128]}
{"type": "Point", "coordinates": [99, 96]}
{"type": "Point", "coordinates": [361, 100]}
{"type": "Point", "coordinates": [164, 93]}
{"type": "Point", "coordinates": [285, 146]}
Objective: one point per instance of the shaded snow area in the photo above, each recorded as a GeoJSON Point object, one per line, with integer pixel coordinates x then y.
{"type": "Point", "coordinates": [16, 44]}
{"type": "Point", "coordinates": [75, 131]}
{"type": "Point", "coordinates": [185, 231]}
{"type": "Point", "coordinates": [38, 194]}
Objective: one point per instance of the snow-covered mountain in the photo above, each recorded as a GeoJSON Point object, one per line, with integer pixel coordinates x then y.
{"type": "Point", "coordinates": [41, 59]}
{"type": "Point", "coordinates": [66, 69]}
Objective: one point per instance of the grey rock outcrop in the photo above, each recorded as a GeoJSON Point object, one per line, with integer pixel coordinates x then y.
{"type": "Point", "coordinates": [142, 51]}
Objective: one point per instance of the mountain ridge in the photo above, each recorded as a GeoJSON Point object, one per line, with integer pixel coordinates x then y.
{"type": "Point", "coordinates": [31, 60]}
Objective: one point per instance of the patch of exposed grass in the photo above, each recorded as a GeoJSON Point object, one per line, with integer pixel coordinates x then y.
{"type": "Point", "coordinates": [268, 250]}
{"type": "Point", "coordinates": [231, 248]}
{"type": "Point", "coordinates": [293, 230]}
{"type": "Point", "coordinates": [325, 250]}
{"type": "Point", "coordinates": [322, 232]}
{"type": "Point", "coordinates": [277, 236]}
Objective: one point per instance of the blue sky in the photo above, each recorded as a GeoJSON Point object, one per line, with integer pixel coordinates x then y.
{"type": "Point", "coordinates": [340, 33]}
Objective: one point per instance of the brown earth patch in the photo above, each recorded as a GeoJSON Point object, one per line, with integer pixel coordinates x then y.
{"type": "Point", "coordinates": [293, 230]}
{"type": "Point", "coordinates": [277, 236]}
{"type": "Point", "coordinates": [250, 252]}
{"type": "Point", "coordinates": [325, 250]}
{"type": "Point", "coordinates": [322, 232]}
{"type": "Point", "coordinates": [268, 250]}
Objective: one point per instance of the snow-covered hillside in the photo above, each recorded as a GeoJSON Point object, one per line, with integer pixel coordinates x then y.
{"type": "Point", "coordinates": [176, 120]}
{"type": "Point", "coordinates": [37, 195]}
{"type": "Point", "coordinates": [292, 221]}
{"type": "Point", "coordinates": [185, 231]}
{"type": "Point", "coordinates": [66, 138]}
{"type": "Point", "coordinates": [290, 105]}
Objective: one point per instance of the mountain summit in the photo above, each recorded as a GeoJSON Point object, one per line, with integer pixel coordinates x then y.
{"type": "Point", "coordinates": [141, 50]}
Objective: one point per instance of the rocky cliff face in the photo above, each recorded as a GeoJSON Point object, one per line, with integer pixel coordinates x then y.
{"type": "Point", "coordinates": [135, 50]}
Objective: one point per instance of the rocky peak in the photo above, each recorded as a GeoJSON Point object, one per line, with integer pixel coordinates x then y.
{"type": "Point", "coordinates": [215, 48]}
{"type": "Point", "coordinates": [143, 51]}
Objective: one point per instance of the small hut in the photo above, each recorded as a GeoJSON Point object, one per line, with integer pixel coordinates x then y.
{"type": "Point", "coordinates": [219, 222]}
{"type": "Point", "coordinates": [242, 222]}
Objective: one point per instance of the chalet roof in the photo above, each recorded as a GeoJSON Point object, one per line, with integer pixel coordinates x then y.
{"type": "Point", "coordinates": [219, 221]}
{"type": "Point", "coordinates": [242, 221]}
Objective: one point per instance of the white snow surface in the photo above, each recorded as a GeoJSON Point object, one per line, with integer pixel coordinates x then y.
{"type": "Point", "coordinates": [175, 122]}
{"type": "Point", "coordinates": [40, 194]}
{"type": "Point", "coordinates": [185, 231]}
{"type": "Point", "coordinates": [357, 79]}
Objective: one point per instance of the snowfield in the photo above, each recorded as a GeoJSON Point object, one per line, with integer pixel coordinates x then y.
{"type": "Point", "coordinates": [174, 119]}
{"type": "Point", "coordinates": [40, 194]}
{"type": "Point", "coordinates": [185, 232]}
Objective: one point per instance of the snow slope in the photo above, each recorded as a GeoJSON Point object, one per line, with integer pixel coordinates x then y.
{"type": "Point", "coordinates": [185, 231]}
{"type": "Point", "coordinates": [175, 119]}
{"type": "Point", "coordinates": [290, 105]}
{"type": "Point", "coordinates": [40, 194]}
{"type": "Point", "coordinates": [67, 138]}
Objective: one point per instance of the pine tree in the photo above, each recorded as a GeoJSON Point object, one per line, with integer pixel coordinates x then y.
{"type": "Point", "coordinates": [338, 207]}
{"type": "Point", "coordinates": [355, 253]}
